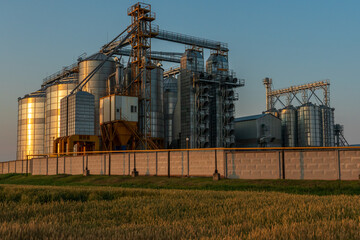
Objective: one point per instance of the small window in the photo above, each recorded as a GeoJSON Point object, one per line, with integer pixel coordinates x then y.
{"type": "Point", "coordinates": [132, 108]}
{"type": "Point", "coordinates": [117, 110]}
{"type": "Point", "coordinates": [135, 109]}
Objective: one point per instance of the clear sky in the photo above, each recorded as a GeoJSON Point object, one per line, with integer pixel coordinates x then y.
{"type": "Point", "coordinates": [293, 42]}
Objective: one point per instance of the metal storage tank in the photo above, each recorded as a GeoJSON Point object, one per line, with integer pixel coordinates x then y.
{"type": "Point", "coordinates": [309, 126]}
{"type": "Point", "coordinates": [77, 114]}
{"type": "Point", "coordinates": [97, 84]}
{"type": "Point", "coordinates": [54, 93]}
{"type": "Point", "coordinates": [31, 124]}
{"type": "Point", "coordinates": [192, 60]}
{"type": "Point", "coordinates": [170, 100]}
{"type": "Point", "coordinates": [289, 126]}
{"type": "Point", "coordinates": [157, 113]}
{"type": "Point", "coordinates": [217, 64]}
{"type": "Point", "coordinates": [176, 132]}
{"type": "Point", "coordinates": [327, 119]}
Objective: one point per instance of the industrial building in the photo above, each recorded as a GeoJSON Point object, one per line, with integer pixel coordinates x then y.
{"type": "Point", "coordinates": [262, 130]}
{"type": "Point", "coordinates": [122, 98]}
{"type": "Point", "coordinates": [308, 124]}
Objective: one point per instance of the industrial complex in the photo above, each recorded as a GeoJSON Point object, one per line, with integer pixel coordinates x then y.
{"type": "Point", "coordinates": [121, 98]}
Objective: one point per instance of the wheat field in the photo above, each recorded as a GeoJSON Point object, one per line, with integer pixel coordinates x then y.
{"type": "Point", "coordinates": [48, 212]}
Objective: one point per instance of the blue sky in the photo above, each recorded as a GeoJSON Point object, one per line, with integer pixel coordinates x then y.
{"type": "Point", "coordinates": [293, 42]}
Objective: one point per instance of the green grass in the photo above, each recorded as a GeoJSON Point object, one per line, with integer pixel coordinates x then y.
{"type": "Point", "coordinates": [312, 187]}
{"type": "Point", "coordinates": [88, 212]}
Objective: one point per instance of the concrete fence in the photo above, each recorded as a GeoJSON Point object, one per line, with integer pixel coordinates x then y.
{"type": "Point", "coordinates": [276, 163]}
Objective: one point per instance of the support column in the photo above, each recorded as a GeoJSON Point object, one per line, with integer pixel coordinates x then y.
{"type": "Point", "coordinates": [216, 175]}
{"type": "Point", "coordinates": [134, 173]}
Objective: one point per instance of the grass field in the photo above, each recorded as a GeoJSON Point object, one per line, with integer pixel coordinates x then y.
{"type": "Point", "coordinates": [312, 187]}
{"type": "Point", "coordinates": [99, 212]}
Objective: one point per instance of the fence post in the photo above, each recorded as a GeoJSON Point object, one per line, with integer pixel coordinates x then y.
{"type": "Point", "coordinates": [104, 164]}
{"type": "Point", "coordinates": [47, 165]}
{"type": "Point", "coordinates": [226, 164]}
{"type": "Point", "coordinates": [134, 173]}
{"type": "Point", "coordinates": [27, 165]}
{"type": "Point", "coordinates": [283, 164]}
{"type": "Point", "coordinates": [64, 164]}
{"type": "Point", "coordinates": [156, 163]}
{"type": "Point", "coordinates": [129, 163]}
{"type": "Point", "coordinates": [339, 163]}
{"type": "Point", "coordinates": [109, 164]}
{"type": "Point", "coordinates": [216, 175]}
{"type": "Point", "coordinates": [168, 164]}
{"type": "Point", "coordinates": [188, 163]}
{"type": "Point", "coordinates": [280, 163]}
{"type": "Point", "coordinates": [86, 171]}
{"type": "Point", "coordinates": [57, 164]}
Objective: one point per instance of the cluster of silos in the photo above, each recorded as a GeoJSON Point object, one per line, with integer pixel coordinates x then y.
{"type": "Point", "coordinates": [204, 112]}
{"type": "Point", "coordinates": [31, 124]}
{"type": "Point", "coordinates": [308, 125]}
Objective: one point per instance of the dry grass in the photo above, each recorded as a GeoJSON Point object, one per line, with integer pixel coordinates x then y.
{"type": "Point", "coordinates": [39, 212]}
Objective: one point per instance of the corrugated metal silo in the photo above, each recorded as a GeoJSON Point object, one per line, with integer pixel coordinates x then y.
{"type": "Point", "coordinates": [327, 119]}
{"type": "Point", "coordinates": [31, 124]}
{"type": "Point", "coordinates": [170, 100]}
{"type": "Point", "coordinates": [157, 112]}
{"type": "Point", "coordinates": [54, 93]}
{"type": "Point", "coordinates": [97, 84]}
{"type": "Point", "coordinates": [289, 126]}
{"type": "Point", "coordinates": [309, 126]}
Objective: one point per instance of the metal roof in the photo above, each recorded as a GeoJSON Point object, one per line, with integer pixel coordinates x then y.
{"type": "Point", "coordinates": [248, 118]}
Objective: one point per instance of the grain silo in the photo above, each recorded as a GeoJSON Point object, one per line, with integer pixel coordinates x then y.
{"type": "Point", "coordinates": [54, 93]}
{"type": "Point", "coordinates": [31, 124]}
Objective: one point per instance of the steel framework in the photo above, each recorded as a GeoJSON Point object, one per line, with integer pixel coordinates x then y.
{"type": "Point", "coordinates": [141, 66]}
{"type": "Point", "coordinates": [307, 91]}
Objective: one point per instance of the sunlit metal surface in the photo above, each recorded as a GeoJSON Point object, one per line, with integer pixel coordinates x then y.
{"type": "Point", "coordinates": [31, 125]}
{"type": "Point", "coordinates": [54, 93]}
{"type": "Point", "coordinates": [309, 126]}
{"type": "Point", "coordinates": [97, 84]}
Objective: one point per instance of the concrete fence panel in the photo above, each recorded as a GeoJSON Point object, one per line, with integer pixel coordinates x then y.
{"type": "Point", "coordinates": [178, 164]}
{"type": "Point", "coordinates": [120, 164]}
{"type": "Point", "coordinates": [12, 166]}
{"type": "Point", "coordinates": [253, 165]}
{"type": "Point", "coordinates": [202, 163]}
{"type": "Point", "coordinates": [146, 163]}
{"type": "Point", "coordinates": [96, 164]}
{"type": "Point", "coordinates": [162, 164]}
{"type": "Point", "coordinates": [39, 166]}
{"type": "Point", "coordinates": [319, 165]}
{"type": "Point", "coordinates": [52, 164]}
{"type": "Point", "coordinates": [349, 165]}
